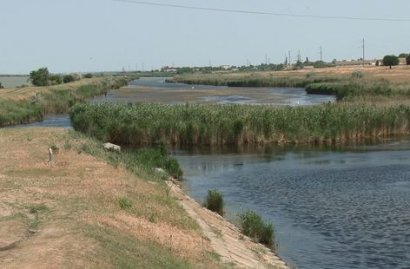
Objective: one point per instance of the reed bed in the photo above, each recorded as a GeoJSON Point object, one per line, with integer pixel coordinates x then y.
{"type": "Point", "coordinates": [147, 124]}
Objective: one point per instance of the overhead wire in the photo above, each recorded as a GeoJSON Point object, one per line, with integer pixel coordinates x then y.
{"type": "Point", "coordinates": [265, 13]}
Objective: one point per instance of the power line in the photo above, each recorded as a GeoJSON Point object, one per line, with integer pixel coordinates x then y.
{"type": "Point", "coordinates": [264, 12]}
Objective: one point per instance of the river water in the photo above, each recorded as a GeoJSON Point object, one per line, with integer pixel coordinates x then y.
{"type": "Point", "coordinates": [332, 207]}
{"type": "Point", "coordinates": [156, 90]}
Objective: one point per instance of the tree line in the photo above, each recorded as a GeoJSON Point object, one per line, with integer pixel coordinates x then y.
{"type": "Point", "coordinates": [42, 77]}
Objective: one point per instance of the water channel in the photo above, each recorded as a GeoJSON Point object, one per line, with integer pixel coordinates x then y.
{"type": "Point", "coordinates": [332, 208]}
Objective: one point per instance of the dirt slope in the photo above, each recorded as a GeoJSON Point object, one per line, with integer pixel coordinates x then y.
{"type": "Point", "coordinates": [225, 238]}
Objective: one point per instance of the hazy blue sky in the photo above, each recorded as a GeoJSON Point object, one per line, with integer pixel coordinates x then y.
{"type": "Point", "coordinates": [95, 35]}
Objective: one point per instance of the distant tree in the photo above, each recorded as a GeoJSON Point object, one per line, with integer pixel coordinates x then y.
{"type": "Point", "coordinates": [319, 64]}
{"type": "Point", "coordinates": [1, 86]}
{"type": "Point", "coordinates": [89, 75]}
{"type": "Point", "coordinates": [40, 77]}
{"type": "Point", "coordinates": [55, 79]}
{"type": "Point", "coordinates": [299, 65]}
{"type": "Point", "coordinates": [408, 60]}
{"type": "Point", "coordinates": [390, 60]}
{"type": "Point", "coordinates": [68, 78]}
{"type": "Point", "coordinates": [403, 55]}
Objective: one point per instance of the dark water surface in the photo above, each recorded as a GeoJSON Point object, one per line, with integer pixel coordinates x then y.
{"type": "Point", "coordinates": [331, 208]}
{"type": "Point", "coordinates": [49, 121]}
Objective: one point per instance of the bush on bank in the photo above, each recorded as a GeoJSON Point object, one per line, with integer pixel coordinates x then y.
{"type": "Point", "coordinates": [252, 225]}
{"type": "Point", "coordinates": [214, 202]}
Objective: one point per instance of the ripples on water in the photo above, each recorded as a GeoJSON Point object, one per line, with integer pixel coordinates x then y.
{"type": "Point", "coordinates": [331, 209]}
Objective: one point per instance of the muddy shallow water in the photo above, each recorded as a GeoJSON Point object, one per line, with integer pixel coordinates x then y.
{"type": "Point", "coordinates": [156, 90]}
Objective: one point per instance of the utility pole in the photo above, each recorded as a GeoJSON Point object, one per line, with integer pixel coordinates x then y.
{"type": "Point", "coordinates": [299, 56]}
{"type": "Point", "coordinates": [363, 52]}
{"type": "Point", "coordinates": [266, 59]}
{"type": "Point", "coordinates": [289, 61]}
{"type": "Point", "coordinates": [321, 54]}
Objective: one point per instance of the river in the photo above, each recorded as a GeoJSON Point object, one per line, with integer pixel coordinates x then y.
{"type": "Point", "coordinates": [156, 90]}
{"type": "Point", "coordinates": [332, 207]}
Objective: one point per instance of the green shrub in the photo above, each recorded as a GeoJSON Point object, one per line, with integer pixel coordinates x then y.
{"type": "Point", "coordinates": [154, 158]}
{"type": "Point", "coordinates": [40, 77]}
{"type": "Point", "coordinates": [390, 60]}
{"type": "Point", "coordinates": [56, 79]}
{"type": "Point", "coordinates": [34, 209]}
{"type": "Point", "coordinates": [252, 225]}
{"type": "Point", "coordinates": [68, 78]}
{"type": "Point", "coordinates": [88, 75]}
{"type": "Point", "coordinates": [357, 74]}
{"type": "Point", "coordinates": [124, 203]}
{"type": "Point", "coordinates": [214, 202]}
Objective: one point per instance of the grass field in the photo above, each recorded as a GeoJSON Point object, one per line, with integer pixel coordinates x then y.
{"type": "Point", "coordinates": [398, 74]}
{"type": "Point", "coordinates": [340, 81]}
{"type": "Point", "coordinates": [81, 211]}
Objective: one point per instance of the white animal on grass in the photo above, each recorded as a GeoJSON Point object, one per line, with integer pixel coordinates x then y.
{"type": "Point", "coordinates": [50, 155]}
{"type": "Point", "coordinates": [111, 147]}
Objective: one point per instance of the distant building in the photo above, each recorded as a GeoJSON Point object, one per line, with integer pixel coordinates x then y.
{"type": "Point", "coordinates": [356, 62]}
{"type": "Point", "coordinates": [226, 67]}
{"type": "Point", "coordinates": [402, 61]}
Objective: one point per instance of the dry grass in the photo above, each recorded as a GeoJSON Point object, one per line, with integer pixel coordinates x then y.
{"type": "Point", "coordinates": [19, 94]}
{"type": "Point", "coordinates": [66, 214]}
{"type": "Point", "coordinates": [398, 74]}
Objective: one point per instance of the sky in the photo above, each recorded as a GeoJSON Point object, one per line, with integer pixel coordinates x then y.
{"type": "Point", "coordinates": [106, 35]}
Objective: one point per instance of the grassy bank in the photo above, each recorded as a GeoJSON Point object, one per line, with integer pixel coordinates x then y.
{"type": "Point", "coordinates": [86, 210]}
{"type": "Point", "coordinates": [24, 105]}
{"type": "Point", "coordinates": [147, 124]}
{"type": "Point", "coordinates": [256, 79]}
{"type": "Point", "coordinates": [342, 82]}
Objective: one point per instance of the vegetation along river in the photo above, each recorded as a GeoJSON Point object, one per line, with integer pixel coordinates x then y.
{"type": "Point", "coordinates": [332, 208]}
